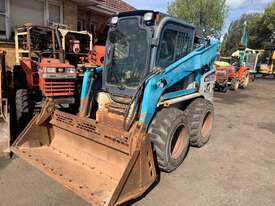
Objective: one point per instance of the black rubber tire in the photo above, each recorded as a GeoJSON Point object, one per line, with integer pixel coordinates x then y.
{"type": "Point", "coordinates": [19, 78]}
{"type": "Point", "coordinates": [253, 77]}
{"type": "Point", "coordinates": [168, 124]}
{"type": "Point", "coordinates": [224, 88]}
{"type": "Point", "coordinates": [200, 113]}
{"type": "Point", "coordinates": [22, 106]}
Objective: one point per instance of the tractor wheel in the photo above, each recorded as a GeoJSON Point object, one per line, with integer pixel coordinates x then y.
{"type": "Point", "coordinates": [246, 82]}
{"type": "Point", "coordinates": [235, 84]}
{"type": "Point", "coordinates": [224, 88]}
{"type": "Point", "coordinates": [200, 121]}
{"type": "Point", "coordinates": [169, 135]}
{"type": "Point", "coordinates": [19, 78]}
{"type": "Point", "coordinates": [22, 107]}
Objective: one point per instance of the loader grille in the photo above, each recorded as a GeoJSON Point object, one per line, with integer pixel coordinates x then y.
{"type": "Point", "coordinates": [92, 130]}
{"type": "Point", "coordinates": [65, 120]}
{"type": "Point", "coordinates": [87, 127]}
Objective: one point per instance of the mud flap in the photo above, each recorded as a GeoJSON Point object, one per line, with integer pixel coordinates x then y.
{"type": "Point", "coordinates": [105, 166]}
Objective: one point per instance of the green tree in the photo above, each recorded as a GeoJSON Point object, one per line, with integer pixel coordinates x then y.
{"type": "Point", "coordinates": [260, 28]}
{"type": "Point", "coordinates": [232, 39]}
{"type": "Point", "coordinates": [205, 14]}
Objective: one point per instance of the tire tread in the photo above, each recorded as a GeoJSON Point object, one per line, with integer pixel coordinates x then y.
{"type": "Point", "coordinates": [195, 111]}
{"type": "Point", "coordinates": [159, 132]}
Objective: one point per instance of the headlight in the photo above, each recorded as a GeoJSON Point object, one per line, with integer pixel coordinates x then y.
{"type": "Point", "coordinates": [70, 70]}
{"type": "Point", "coordinates": [60, 70]}
{"type": "Point", "coordinates": [148, 16]}
{"type": "Point", "coordinates": [114, 20]}
{"type": "Point", "coordinates": [51, 70]}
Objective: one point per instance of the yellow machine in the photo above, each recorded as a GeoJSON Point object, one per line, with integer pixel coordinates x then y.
{"type": "Point", "coordinates": [267, 66]}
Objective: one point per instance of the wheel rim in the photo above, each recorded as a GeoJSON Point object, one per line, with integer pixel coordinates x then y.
{"type": "Point", "coordinates": [207, 125]}
{"type": "Point", "coordinates": [246, 81]}
{"type": "Point", "coordinates": [237, 85]}
{"type": "Point", "coordinates": [178, 142]}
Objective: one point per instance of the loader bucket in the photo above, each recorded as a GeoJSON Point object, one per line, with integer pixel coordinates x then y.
{"type": "Point", "coordinates": [103, 165]}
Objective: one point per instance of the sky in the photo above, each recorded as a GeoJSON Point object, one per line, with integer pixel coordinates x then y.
{"type": "Point", "coordinates": [236, 7]}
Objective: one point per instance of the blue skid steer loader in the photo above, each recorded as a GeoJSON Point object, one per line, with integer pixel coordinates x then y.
{"type": "Point", "coordinates": [141, 111]}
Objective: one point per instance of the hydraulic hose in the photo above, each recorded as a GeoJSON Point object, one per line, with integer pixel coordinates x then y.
{"type": "Point", "coordinates": [137, 97]}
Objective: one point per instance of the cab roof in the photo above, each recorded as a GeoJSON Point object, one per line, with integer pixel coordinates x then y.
{"type": "Point", "coordinates": [138, 13]}
{"type": "Point", "coordinates": [162, 15]}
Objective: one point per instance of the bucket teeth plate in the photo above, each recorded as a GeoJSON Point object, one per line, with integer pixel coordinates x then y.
{"type": "Point", "coordinates": [90, 129]}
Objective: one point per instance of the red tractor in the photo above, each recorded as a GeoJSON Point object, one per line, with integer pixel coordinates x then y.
{"type": "Point", "coordinates": [100, 53]}
{"type": "Point", "coordinates": [237, 75]}
{"type": "Point", "coordinates": [224, 72]}
{"type": "Point", "coordinates": [79, 48]}
{"type": "Point", "coordinates": [242, 76]}
{"type": "Point", "coordinates": [41, 71]}
{"type": "Point", "coordinates": [231, 76]}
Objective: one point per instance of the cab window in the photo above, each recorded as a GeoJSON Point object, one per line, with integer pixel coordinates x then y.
{"type": "Point", "coordinates": [167, 48]}
{"type": "Point", "coordinates": [174, 45]}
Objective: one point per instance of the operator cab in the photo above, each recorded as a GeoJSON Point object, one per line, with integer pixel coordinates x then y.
{"type": "Point", "coordinates": [139, 42]}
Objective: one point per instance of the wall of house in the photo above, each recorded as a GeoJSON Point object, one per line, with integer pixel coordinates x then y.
{"type": "Point", "coordinates": [10, 53]}
{"type": "Point", "coordinates": [87, 18]}
{"type": "Point", "coordinates": [69, 17]}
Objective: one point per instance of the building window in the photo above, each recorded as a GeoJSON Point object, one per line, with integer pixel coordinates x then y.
{"type": "Point", "coordinates": [28, 11]}
{"type": "Point", "coordinates": [84, 24]}
{"type": "Point", "coordinates": [92, 28]}
{"type": "Point", "coordinates": [4, 11]}
{"type": "Point", "coordinates": [2, 6]}
{"type": "Point", "coordinates": [55, 12]}
{"type": "Point", "coordinates": [14, 13]}
{"type": "Point", "coordinates": [79, 25]}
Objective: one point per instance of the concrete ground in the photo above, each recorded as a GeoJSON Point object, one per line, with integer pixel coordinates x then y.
{"type": "Point", "coordinates": [237, 166]}
{"type": "Point", "coordinates": [4, 138]}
